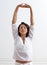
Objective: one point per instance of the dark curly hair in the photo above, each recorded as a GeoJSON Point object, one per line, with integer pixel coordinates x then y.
{"type": "Point", "coordinates": [27, 34]}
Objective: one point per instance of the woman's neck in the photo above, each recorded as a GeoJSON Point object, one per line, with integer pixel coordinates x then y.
{"type": "Point", "coordinates": [23, 38]}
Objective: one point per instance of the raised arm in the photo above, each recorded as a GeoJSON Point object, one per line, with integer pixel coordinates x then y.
{"type": "Point", "coordinates": [14, 19]}
{"type": "Point", "coordinates": [31, 12]}
{"type": "Point", "coordinates": [31, 17]}
{"type": "Point", "coordinates": [23, 6]}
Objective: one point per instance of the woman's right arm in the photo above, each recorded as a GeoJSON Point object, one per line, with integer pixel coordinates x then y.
{"type": "Point", "coordinates": [14, 27]}
{"type": "Point", "coordinates": [14, 19]}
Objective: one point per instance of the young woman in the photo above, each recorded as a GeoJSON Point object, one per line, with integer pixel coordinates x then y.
{"type": "Point", "coordinates": [23, 38]}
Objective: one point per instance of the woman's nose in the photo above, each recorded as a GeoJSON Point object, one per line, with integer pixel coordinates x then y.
{"type": "Point", "coordinates": [22, 27]}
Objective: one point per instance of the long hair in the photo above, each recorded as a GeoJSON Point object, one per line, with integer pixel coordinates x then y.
{"type": "Point", "coordinates": [27, 26]}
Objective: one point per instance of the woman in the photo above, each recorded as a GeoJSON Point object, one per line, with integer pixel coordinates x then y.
{"type": "Point", "coordinates": [23, 38]}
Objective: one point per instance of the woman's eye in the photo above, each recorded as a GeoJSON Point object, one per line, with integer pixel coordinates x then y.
{"type": "Point", "coordinates": [25, 27]}
{"type": "Point", "coordinates": [21, 27]}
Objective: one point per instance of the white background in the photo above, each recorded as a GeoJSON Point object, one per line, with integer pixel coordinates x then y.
{"type": "Point", "coordinates": [7, 8]}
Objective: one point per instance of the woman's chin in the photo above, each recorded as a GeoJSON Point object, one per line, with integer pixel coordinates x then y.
{"type": "Point", "coordinates": [23, 34]}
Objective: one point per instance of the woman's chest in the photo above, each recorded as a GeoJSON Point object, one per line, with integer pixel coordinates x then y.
{"type": "Point", "coordinates": [27, 45]}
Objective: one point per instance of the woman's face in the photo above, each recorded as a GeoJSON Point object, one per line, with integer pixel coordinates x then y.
{"type": "Point", "coordinates": [23, 29]}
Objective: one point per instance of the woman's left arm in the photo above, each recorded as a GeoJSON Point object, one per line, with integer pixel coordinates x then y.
{"type": "Point", "coordinates": [31, 31]}
{"type": "Point", "coordinates": [31, 17]}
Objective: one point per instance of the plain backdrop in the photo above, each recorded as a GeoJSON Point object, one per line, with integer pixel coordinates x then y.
{"type": "Point", "coordinates": [39, 41]}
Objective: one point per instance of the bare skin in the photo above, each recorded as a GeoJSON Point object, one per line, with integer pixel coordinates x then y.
{"type": "Point", "coordinates": [23, 29]}
{"type": "Point", "coordinates": [14, 19]}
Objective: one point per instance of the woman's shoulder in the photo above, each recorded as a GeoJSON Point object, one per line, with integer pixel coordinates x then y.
{"type": "Point", "coordinates": [29, 39]}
